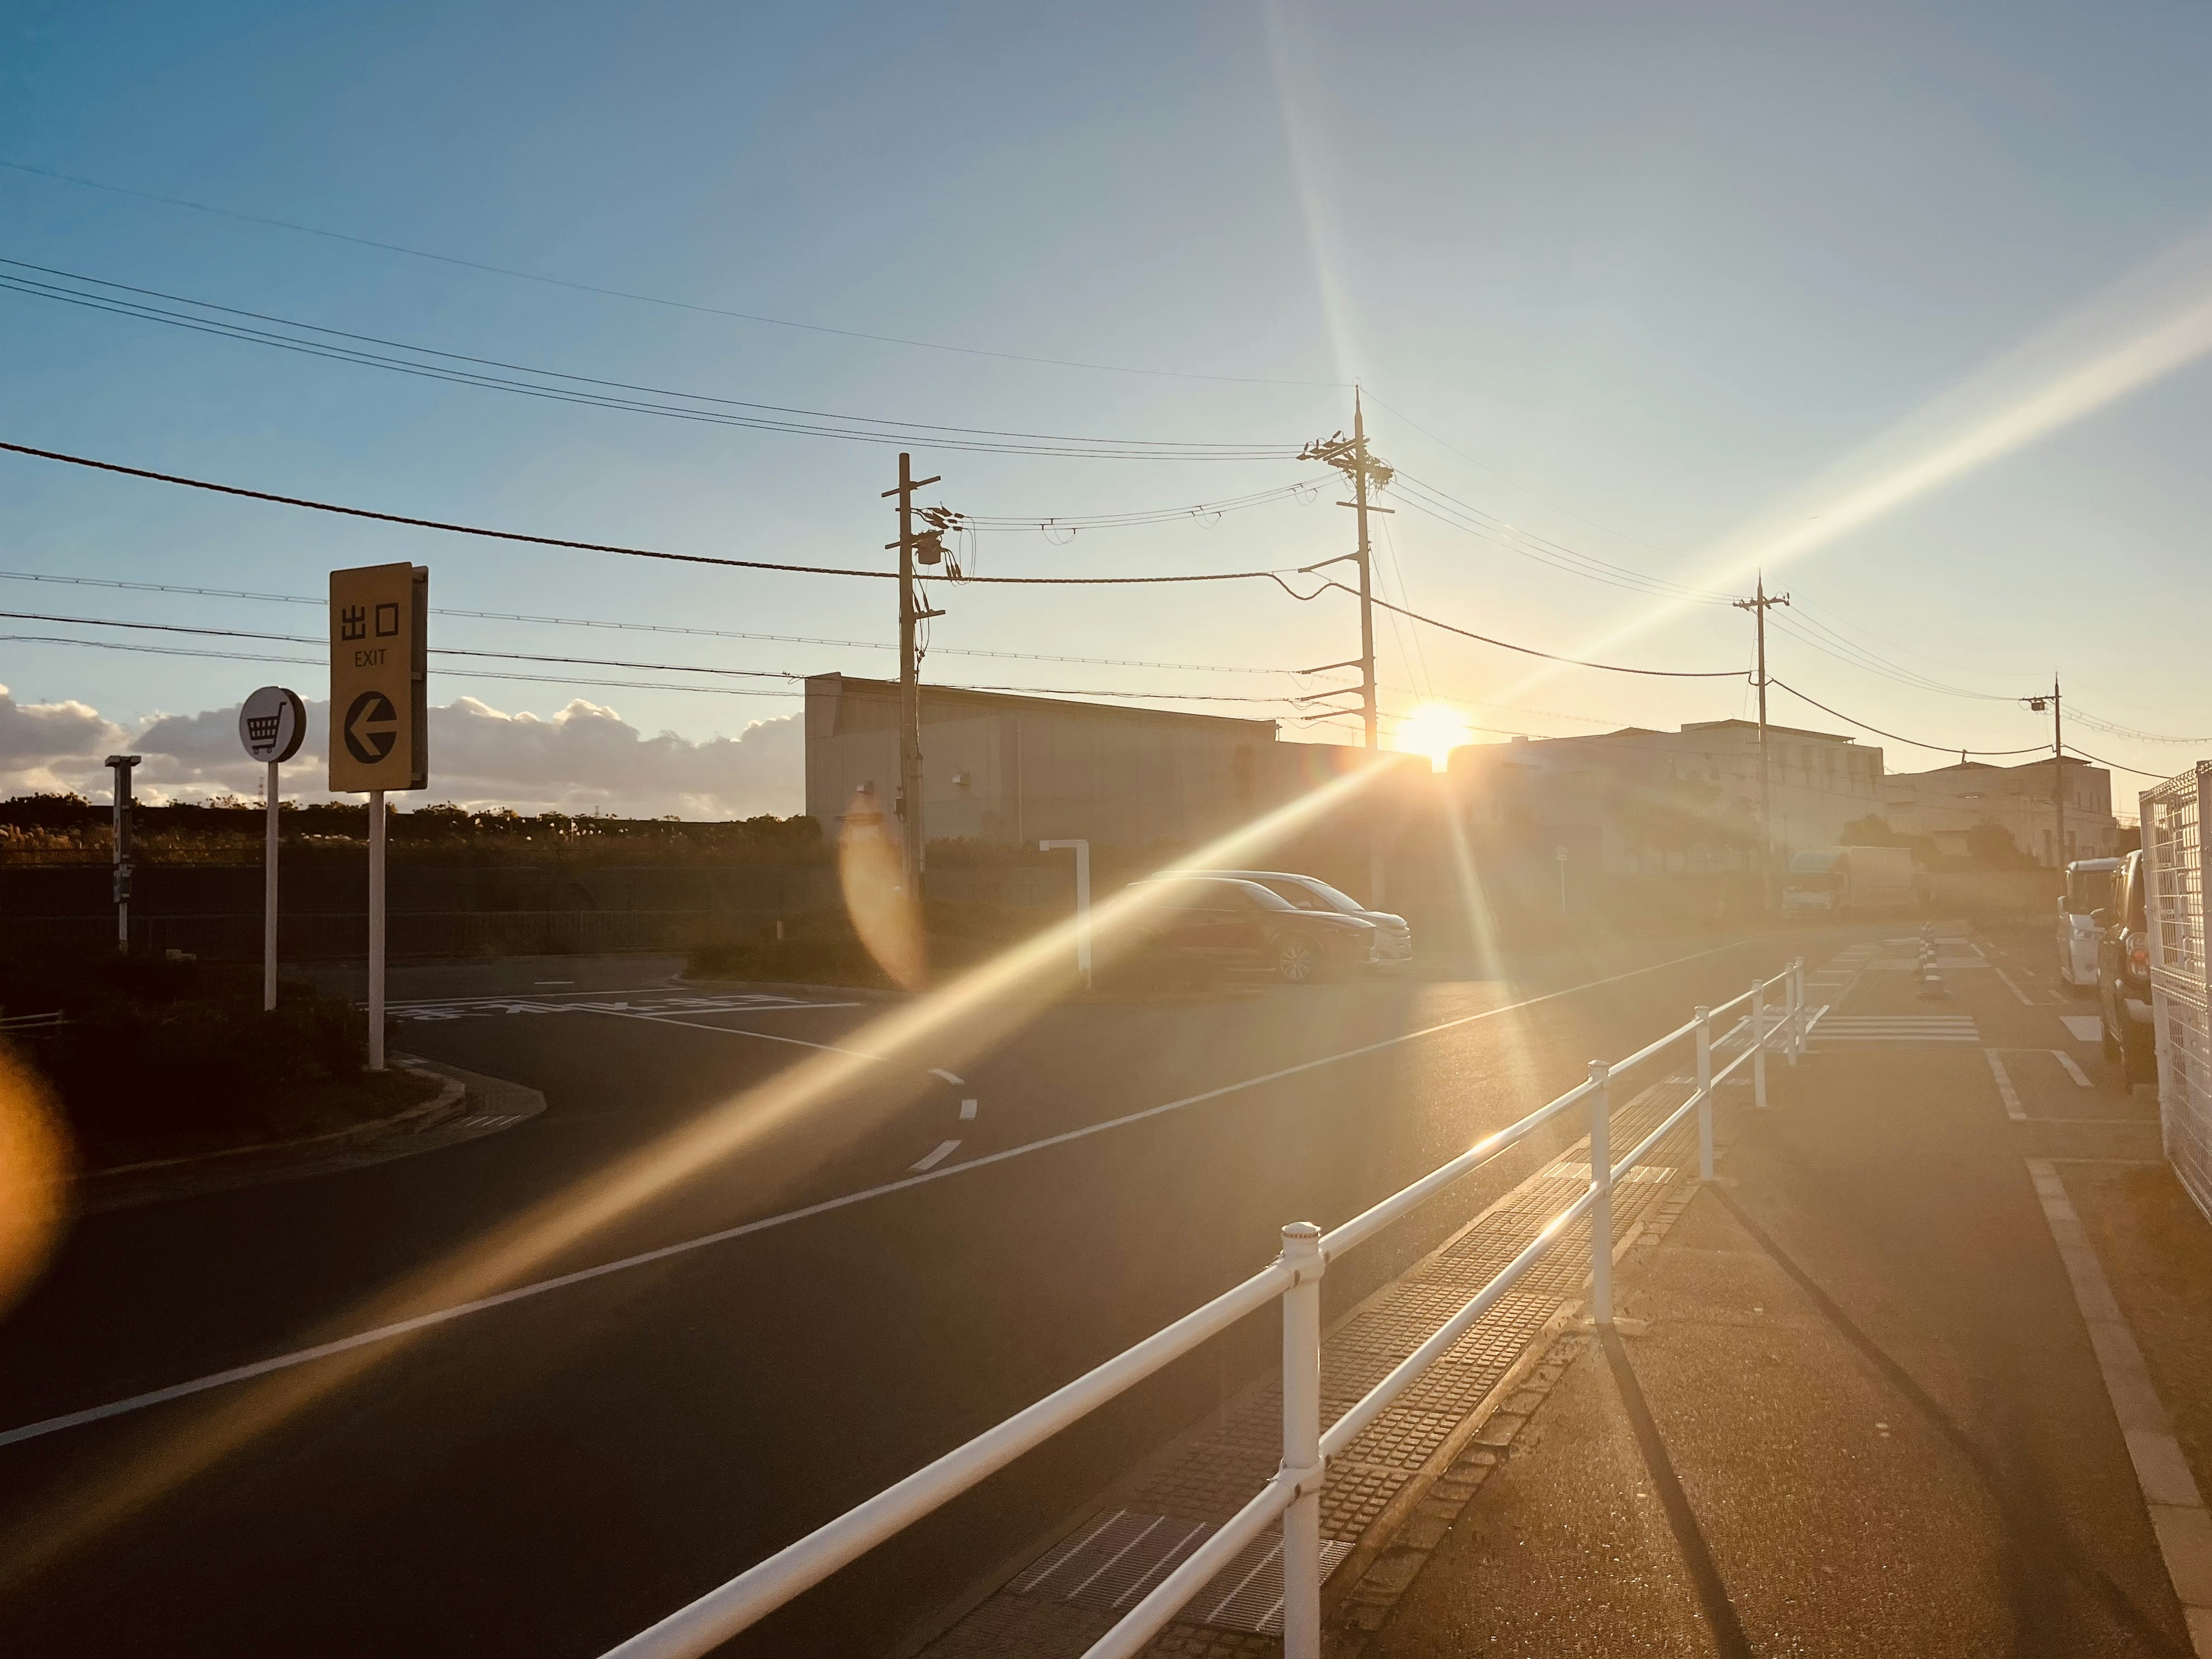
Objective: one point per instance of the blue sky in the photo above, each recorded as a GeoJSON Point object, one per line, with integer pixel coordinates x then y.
{"type": "Point", "coordinates": [1656, 286]}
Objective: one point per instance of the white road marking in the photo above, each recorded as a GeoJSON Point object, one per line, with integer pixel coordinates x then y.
{"type": "Point", "coordinates": [743, 1229]}
{"type": "Point", "coordinates": [2005, 1092]}
{"type": "Point", "coordinates": [945, 1150]}
{"type": "Point", "coordinates": [967, 1109]}
{"type": "Point", "coordinates": [941, 1073]}
{"type": "Point", "coordinates": [2014, 988]}
{"type": "Point", "coordinates": [731, 1030]}
{"type": "Point", "coordinates": [2072, 1070]}
{"type": "Point", "coordinates": [2083, 1028]}
{"type": "Point", "coordinates": [552, 982]}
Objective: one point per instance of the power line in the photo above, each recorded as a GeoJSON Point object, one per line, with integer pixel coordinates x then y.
{"type": "Point", "coordinates": [640, 298]}
{"type": "Point", "coordinates": [2115, 765]}
{"type": "Point", "coordinates": [1548, 656]}
{"type": "Point", "coordinates": [1275, 576]}
{"type": "Point", "coordinates": [601, 662]}
{"type": "Point", "coordinates": [647, 628]}
{"type": "Point", "coordinates": [770, 417]}
{"type": "Point", "coordinates": [1913, 743]}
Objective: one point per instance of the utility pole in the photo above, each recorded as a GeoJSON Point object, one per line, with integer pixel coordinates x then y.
{"type": "Point", "coordinates": [2058, 772]}
{"type": "Point", "coordinates": [121, 765]}
{"type": "Point", "coordinates": [927, 549]}
{"type": "Point", "coordinates": [1758, 606]}
{"type": "Point", "coordinates": [1350, 456]}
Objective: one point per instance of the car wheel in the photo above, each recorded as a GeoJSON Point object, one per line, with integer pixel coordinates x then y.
{"type": "Point", "coordinates": [1295, 960]}
{"type": "Point", "coordinates": [2138, 1063]}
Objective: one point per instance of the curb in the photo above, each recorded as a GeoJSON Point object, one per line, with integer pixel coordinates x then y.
{"type": "Point", "coordinates": [421, 1115]}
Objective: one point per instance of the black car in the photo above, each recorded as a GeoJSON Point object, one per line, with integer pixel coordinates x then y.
{"type": "Point", "coordinates": [2123, 976]}
{"type": "Point", "coordinates": [1209, 927]}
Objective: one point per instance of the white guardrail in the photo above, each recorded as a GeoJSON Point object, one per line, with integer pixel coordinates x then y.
{"type": "Point", "coordinates": [1294, 1493]}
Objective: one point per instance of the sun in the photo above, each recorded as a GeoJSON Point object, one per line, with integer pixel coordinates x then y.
{"type": "Point", "coordinates": [1434, 729]}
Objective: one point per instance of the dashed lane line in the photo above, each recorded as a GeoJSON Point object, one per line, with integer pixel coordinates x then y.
{"type": "Point", "coordinates": [684, 1246]}
{"type": "Point", "coordinates": [734, 1030]}
{"type": "Point", "coordinates": [2012, 987]}
{"type": "Point", "coordinates": [967, 1111]}
{"type": "Point", "coordinates": [2073, 1070]}
{"type": "Point", "coordinates": [943, 1076]}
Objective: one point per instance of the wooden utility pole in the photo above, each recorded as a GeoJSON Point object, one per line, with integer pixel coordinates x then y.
{"type": "Point", "coordinates": [1758, 606]}
{"type": "Point", "coordinates": [908, 804]}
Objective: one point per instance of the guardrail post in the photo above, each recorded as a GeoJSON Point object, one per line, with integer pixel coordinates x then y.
{"type": "Point", "coordinates": [1793, 1013]}
{"type": "Point", "coordinates": [1301, 1254]}
{"type": "Point", "coordinates": [1804, 1014]}
{"type": "Point", "coordinates": [1758, 1044]}
{"type": "Point", "coordinates": [1600, 1141]}
{"type": "Point", "coordinates": [1705, 1093]}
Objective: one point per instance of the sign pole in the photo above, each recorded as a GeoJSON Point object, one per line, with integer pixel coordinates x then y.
{"type": "Point", "coordinates": [379, 721]}
{"type": "Point", "coordinates": [1082, 902]}
{"type": "Point", "coordinates": [268, 901]}
{"type": "Point", "coordinates": [376, 930]}
{"type": "Point", "coordinates": [271, 724]}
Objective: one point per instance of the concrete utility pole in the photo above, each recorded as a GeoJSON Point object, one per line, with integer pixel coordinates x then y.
{"type": "Point", "coordinates": [2057, 774]}
{"type": "Point", "coordinates": [1351, 457]}
{"type": "Point", "coordinates": [1758, 607]}
{"type": "Point", "coordinates": [908, 804]}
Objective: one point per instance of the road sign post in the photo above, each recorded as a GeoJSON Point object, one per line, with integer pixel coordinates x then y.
{"type": "Point", "coordinates": [1082, 902]}
{"type": "Point", "coordinates": [270, 724]}
{"type": "Point", "coordinates": [379, 719]}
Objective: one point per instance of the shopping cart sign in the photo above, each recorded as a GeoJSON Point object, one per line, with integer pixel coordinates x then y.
{"type": "Point", "coordinates": [271, 723]}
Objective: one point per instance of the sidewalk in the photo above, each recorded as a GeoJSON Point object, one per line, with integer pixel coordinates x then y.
{"type": "Point", "coordinates": [1854, 1405]}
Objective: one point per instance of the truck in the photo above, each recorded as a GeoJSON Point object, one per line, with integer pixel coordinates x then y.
{"type": "Point", "coordinates": [1858, 879]}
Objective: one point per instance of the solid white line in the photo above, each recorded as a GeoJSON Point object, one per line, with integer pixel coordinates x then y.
{"type": "Point", "coordinates": [2072, 1069]}
{"type": "Point", "coordinates": [2013, 988]}
{"type": "Point", "coordinates": [644, 1258]}
{"type": "Point", "coordinates": [2005, 1092]}
{"type": "Point", "coordinates": [945, 1150]}
{"type": "Point", "coordinates": [731, 1030]}
{"type": "Point", "coordinates": [967, 1109]}
{"type": "Point", "coordinates": [2172, 1500]}
{"type": "Point", "coordinates": [941, 1073]}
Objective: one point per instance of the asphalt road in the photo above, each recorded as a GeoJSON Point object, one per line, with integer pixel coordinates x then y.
{"type": "Point", "coordinates": [546, 1476]}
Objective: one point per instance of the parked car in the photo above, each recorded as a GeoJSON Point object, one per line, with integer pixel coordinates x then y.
{"type": "Point", "coordinates": [2088, 889]}
{"type": "Point", "coordinates": [1394, 935]}
{"type": "Point", "coordinates": [2124, 974]}
{"type": "Point", "coordinates": [1214, 926]}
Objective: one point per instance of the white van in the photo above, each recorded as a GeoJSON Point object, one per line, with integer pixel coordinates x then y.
{"type": "Point", "coordinates": [2088, 889]}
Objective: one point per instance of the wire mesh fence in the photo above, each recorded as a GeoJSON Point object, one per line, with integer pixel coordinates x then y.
{"type": "Point", "coordinates": [2173, 832]}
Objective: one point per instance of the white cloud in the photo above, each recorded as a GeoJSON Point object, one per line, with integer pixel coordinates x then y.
{"type": "Point", "coordinates": [44, 746]}
{"type": "Point", "coordinates": [584, 756]}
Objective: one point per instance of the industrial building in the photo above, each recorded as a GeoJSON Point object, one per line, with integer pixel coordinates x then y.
{"type": "Point", "coordinates": [1017, 770]}
{"type": "Point", "coordinates": [1946, 804]}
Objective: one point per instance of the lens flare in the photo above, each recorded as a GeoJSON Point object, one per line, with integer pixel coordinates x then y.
{"type": "Point", "coordinates": [871, 870]}
{"type": "Point", "coordinates": [34, 1176]}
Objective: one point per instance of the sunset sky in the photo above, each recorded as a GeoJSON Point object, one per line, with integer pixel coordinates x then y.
{"type": "Point", "coordinates": [1908, 305]}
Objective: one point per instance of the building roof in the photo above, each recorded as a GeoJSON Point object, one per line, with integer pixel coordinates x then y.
{"type": "Point", "coordinates": [937, 697]}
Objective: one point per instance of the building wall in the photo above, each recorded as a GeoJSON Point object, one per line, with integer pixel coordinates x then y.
{"type": "Point", "coordinates": [1020, 769]}
{"type": "Point", "coordinates": [1946, 803]}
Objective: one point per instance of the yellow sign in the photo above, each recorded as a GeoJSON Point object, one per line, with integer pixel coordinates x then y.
{"type": "Point", "coordinates": [380, 660]}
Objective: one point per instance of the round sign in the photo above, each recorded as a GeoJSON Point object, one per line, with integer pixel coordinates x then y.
{"type": "Point", "coordinates": [271, 723]}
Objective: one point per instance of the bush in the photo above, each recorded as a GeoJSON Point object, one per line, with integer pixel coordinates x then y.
{"type": "Point", "coordinates": [163, 1052]}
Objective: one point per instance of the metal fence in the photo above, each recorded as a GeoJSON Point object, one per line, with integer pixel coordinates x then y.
{"type": "Point", "coordinates": [2174, 826]}
{"type": "Point", "coordinates": [1293, 1496]}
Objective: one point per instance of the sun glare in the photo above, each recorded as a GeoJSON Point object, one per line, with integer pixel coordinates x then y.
{"type": "Point", "coordinates": [1434, 729]}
